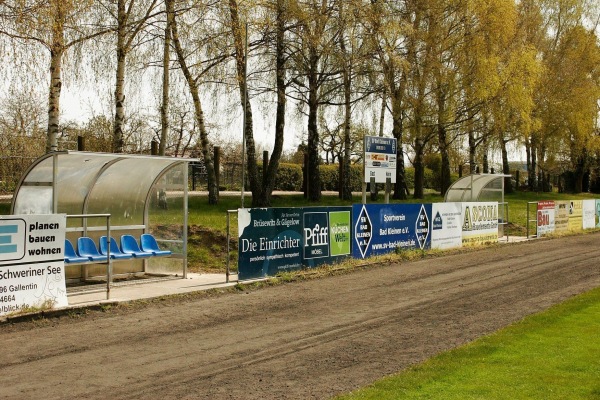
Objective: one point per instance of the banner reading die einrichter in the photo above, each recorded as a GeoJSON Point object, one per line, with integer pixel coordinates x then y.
{"type": "Point", "coordinates": [274, 240]}
{"type": "Point", "coordinates": [32, 262]}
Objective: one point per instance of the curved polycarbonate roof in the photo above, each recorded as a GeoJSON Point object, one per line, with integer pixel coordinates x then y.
{"type": "Point", "coordinates": [92, 183]}
{"type": "Point", "coordinates": [484, 187]}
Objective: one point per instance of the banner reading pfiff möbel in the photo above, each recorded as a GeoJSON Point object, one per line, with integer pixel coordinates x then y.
{"type": "Point", "coordinates": [273, 240]}
{"type": "Point", "coordinates": [382, 228]}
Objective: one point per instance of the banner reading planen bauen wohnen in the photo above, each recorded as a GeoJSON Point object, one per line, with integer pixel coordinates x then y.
{"type": "Point", "coordinates": [32, 271]}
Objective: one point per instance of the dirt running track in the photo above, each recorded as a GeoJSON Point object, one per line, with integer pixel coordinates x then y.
{"type": "Point", "coordinates": [313, 339]}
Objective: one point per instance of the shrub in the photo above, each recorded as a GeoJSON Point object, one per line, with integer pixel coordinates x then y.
{"type": "Point", "coordinates": [289, 177]}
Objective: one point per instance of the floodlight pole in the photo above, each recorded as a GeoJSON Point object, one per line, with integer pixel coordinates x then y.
{"type": "Point", "coordinates": [245, 110]}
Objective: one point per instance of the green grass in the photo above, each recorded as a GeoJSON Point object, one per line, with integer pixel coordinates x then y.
{"type": "Point", "coordinates": [552, 355]}
{"type": "Point", "coordinates": [517, 207]}
{"type": "Point", "coordinates": [4, 208]}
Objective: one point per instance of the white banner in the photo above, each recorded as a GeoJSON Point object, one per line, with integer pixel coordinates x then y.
{"type": "Point", "coordinates": [589, 214]}
{"type": "Point", "coordinates": [480, 223]}
{"type": "Point", "coordinates": [546, 212]}
{"type": "Point", "coordinates": [32, 271]}
{"type": "Point", "coordinates": [446, 226]}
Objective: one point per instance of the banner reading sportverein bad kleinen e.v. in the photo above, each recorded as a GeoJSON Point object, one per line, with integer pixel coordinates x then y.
{"type": "Point", "coordinates": [384, 228]}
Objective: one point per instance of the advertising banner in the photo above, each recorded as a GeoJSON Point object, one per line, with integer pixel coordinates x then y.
{"type": "Point", "coordinates": [446, 226]}
{"type": "Point", "coordinates": [546, 211]}
{"type": "Point", "coordinates": [561, 216]}
{"type": "Point", "coordinates": [589, 214]}
{"type": "Point", "coordinates": [480, 223]}
{"type": "Point", "coordinates": [380, 159]}
{"type": "Point", "coordinates": [575, 215]}
{"type": "Point", "coordinates": [383, 228]}
{"type": "Point", "coordinates": [273, 240]}
{"type": "Point", "coordinates": [32, 271]}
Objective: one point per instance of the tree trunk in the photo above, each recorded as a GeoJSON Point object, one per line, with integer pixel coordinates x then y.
{"type": "Point", "coordinates": [445, 167]}
{"type": "Point", "coordinates": [528, 158]}
{"type": "Point", "coordinates": [505, 167]}
{"type": "Point", "coordinates": [532, 173]}
{"type": "Point", "coordinates": [56, 53]}
{"type": "Point", "coordinates": [280, 72]}
{"type": "Point", "coordinates": [443, 140]}
{"type": "Point", "coordinates": [314, 184]}
{"type": "Point", "coordinates": [213, 190]}
{"type": "Point", "coordinates": [419, 169]}
{"type": "Point", "coordinates": [164, 108]}
{"type": "Point", "coordinates": [400, 188]}
{"type": "Point", "coordinates": [484, 161]}
{"type": "Point", "coordinates": [581, 168]}
{"type": "Point", "coordinates": [472, 147]}
{"type": "Point", "coordinates": [254, 177]}
{"type": "Point", "coordinates": [345, 190]}
{"type": "Point", "coordinates": [118, 144]}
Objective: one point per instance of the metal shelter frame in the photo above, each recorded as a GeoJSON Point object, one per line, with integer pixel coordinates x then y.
{"type": "Point", "coordinates": [481, 187]}
{"type": "Point", "coordinates": [123, 186]}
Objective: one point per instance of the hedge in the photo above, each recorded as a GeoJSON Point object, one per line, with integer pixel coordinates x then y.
{"type": "Point", "coordinates": [289, 177]}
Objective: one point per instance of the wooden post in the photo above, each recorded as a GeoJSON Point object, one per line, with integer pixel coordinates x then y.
{"type": "Point", "coordinates": [373, 189]}
{"type": "Point", "coordinates": [80, 143]}
{"type": "Point", "coordinates": [388, 189]}
{"type": "Point", "coordinates": [217, 162]}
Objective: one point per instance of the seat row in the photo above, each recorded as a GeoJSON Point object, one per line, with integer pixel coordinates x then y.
{"type": "Point", "coordinates": [130, 248]}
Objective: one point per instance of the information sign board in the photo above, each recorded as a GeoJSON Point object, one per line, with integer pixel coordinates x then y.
{"type": "Point", "coordinates": [380, 159]}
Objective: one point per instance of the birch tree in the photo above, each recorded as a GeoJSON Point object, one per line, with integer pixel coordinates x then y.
{"type": "Point", "coordinates": [56, 26]}
{"type": "Point", "coordinates": [194, 80]}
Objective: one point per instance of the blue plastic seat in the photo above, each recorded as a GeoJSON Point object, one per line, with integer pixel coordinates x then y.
{"type": "Point", "coordinates": [115, 252]}
{"type": "Point", "coordinates": [87, 248]}
{"type": "Point", "coordinates": [148, 243]}
{"type": "Point", "coordinates": [70, 255]}
{"type": "Point", "coordinates": [129, 245]}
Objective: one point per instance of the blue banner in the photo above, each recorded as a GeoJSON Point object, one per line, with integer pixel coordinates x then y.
{"type": "Point", "coordinates": [382, 228]}
{"type": "Point", "coordinates": [274, 240]}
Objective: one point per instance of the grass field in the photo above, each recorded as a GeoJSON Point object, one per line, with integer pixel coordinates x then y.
{"type": "Point", "coordinates": [552, 355]}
